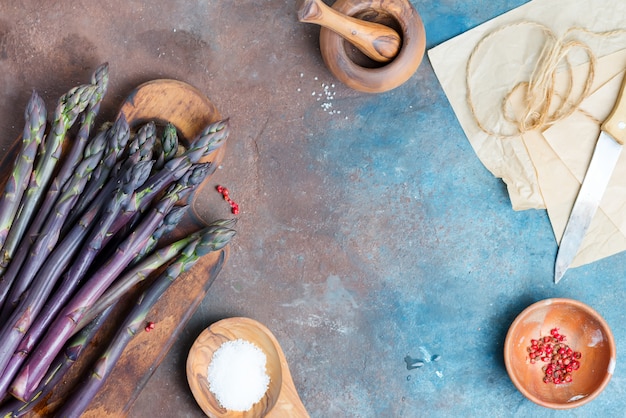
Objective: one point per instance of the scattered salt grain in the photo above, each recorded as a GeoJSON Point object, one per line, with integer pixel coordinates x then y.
{"type": "Point", "coordinates": [237, 375]}
{"type": "Point", "coordinates": [325, 97]}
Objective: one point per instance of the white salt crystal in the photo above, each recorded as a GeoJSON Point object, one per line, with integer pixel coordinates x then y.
{"type": "Point", "coordinates": [237, 375]}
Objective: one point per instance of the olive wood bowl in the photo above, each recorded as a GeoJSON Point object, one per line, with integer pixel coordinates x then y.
{"type": "Point", "coordinates": [281, 398]}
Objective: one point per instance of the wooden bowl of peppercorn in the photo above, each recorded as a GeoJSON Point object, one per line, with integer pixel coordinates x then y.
{"type": "Point", "coordinates": [559, 353]}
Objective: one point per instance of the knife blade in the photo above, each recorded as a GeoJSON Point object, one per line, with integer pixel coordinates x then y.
{"type": "Point", "coordinates": [605, 155]}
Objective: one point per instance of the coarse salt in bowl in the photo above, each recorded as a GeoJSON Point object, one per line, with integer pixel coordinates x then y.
{"type": "Point", "coordinates": [584, 332]}
{"type": "Point", "coordinates": [237, 375]}
{"type": "Point", "coordinates": [234, 369]}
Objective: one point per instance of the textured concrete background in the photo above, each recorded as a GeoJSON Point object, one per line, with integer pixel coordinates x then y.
{"type": "Point", "coordinates": [368, 232]}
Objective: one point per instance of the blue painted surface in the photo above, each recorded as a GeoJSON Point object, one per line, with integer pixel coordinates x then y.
{"type": "Point", "coordinates": [374, 234]}
{"type": "Point", "coordinates": [448, 263]}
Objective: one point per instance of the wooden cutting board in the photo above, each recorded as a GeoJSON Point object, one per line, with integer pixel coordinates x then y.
{"type": "Point", "coordinates": [190, 110]}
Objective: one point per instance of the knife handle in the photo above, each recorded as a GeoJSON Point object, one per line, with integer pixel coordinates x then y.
{"type": "Point", "coordinates": [615, 124]}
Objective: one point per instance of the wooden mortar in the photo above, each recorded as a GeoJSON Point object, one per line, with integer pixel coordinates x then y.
{"type": "Point", "coordinates": [355, 69]}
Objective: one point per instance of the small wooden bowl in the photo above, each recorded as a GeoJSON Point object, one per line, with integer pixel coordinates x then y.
{"type": "Point", "coordinates": [281, 398]}
{"type": "Point", "coordinates": [354, 68]}
{"type": "Point", "coordinates": [585, 331]}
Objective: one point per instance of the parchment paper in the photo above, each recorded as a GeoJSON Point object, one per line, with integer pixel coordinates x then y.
{"type": "Point", "coordinates": [542, 168]}
{"type": "Point", "coordinates": [560, 171]}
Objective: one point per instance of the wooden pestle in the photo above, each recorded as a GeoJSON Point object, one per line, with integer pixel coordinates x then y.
{"type": "Point", "coordinates": [379, 42]}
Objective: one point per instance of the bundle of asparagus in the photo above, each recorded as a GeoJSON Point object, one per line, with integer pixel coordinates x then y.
{"type": "Point", "coordinates": [82, 221]}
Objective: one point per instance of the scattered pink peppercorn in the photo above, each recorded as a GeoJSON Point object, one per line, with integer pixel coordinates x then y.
{"type": "Point", "coordinates": [226, 194]}
{"type": "Point", "coordinates": [149, 326]}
